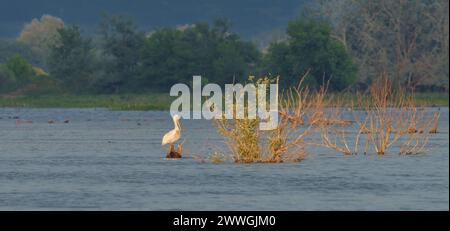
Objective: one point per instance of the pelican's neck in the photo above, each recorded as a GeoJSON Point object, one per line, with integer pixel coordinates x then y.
{"type": "Point", "coordinates": [176, 124]}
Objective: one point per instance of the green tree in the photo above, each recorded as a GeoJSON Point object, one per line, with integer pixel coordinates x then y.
{"type": "Point", "coordinates": [121, 45]}
{"type": "Point", "coordinates": [22, 70]}
{"type": "Point", "coordinates": [170, 56]}
{"type": "Point", "coordinates": [9, 47]}
{"type": "Point", "coordinates": [71, 60]}
{"type": "Point", "coordinates": [311, 47]}
{"type": "Point", "coordinates": [7, 79]}
{"type": "Point", "coordinates": [160, 61]}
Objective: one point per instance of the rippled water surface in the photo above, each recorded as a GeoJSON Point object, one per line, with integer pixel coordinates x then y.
{"type": "Point", "coordinates": [105, 159]}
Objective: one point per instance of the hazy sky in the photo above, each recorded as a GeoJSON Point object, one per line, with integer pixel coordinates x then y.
{"type": "Point", "coordinates": [249, 17]}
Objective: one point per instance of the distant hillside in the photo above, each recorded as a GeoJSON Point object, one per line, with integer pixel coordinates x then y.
{"type": "Point", "coordinates": [249, 17]}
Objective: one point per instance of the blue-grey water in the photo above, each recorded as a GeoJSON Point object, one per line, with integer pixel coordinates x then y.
{"type": "Point", "coordinates": [113, 160]}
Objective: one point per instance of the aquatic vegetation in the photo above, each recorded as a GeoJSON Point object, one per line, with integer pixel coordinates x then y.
{"type": "Point", "coordinates": [217, 158]}
{"type": "Point", "coordinates": [305, 106]}
{"type": "Point", "coordinates": [242, 135]}
{"type": "Point", "coordinates": [242, 138]}
{"type": "Point", "coordinates": [391, 119]}
{"type": "Point", "coordinates": [249, 144]}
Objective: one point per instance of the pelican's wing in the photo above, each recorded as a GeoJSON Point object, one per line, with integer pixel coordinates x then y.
{"type": "Point", "coordinates": [167, 138]}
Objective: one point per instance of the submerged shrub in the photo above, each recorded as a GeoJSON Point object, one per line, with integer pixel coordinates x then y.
{"type": "Point", "coordinates": [391, 119]}
{"type": "Point", "coordinates": [242, 138]}
{"type": "Point", "coordinates": [249, 144]}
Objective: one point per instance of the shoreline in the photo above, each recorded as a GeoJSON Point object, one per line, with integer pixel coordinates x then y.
{"type": "Point", "coordinates": [158, 101]}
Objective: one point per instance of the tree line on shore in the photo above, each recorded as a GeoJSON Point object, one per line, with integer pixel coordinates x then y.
{"type": "Point", "coordinates": [345, 43]}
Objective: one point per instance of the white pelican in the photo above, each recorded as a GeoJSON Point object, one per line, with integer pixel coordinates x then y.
{"type": "Point", "coordinates": [173, 135]}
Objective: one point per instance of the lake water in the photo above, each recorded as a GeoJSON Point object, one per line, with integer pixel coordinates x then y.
{"type": "Point", "coordinates": [113, 160]}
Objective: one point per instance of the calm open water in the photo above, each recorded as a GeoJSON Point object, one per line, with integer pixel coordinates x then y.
{"type": "Point", "coordinates": [113, 160]}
